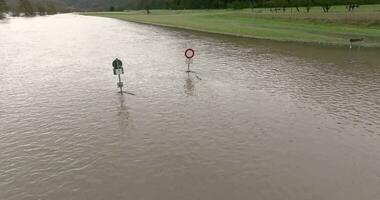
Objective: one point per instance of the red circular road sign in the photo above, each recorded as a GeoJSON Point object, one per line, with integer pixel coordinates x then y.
{"type": "Point", "coordinates": [189, 53]}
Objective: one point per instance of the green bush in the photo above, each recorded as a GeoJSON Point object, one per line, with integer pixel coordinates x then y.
{"type": "Point", "coordinates": [238, 5]}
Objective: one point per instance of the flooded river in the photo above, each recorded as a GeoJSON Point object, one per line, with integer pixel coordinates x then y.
{"type": "Point", "coordinates": [259, 120]}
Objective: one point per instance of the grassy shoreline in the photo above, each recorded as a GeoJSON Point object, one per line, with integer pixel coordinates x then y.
{"type": "Point", "coordinates": [335, 28]}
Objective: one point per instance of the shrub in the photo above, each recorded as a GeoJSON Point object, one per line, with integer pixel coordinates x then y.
{"type": "Point", "coordinates": [238, 4]}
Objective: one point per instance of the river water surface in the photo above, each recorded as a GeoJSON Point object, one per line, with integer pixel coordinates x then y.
{"type": "Point", "coordinates": [258, 120]}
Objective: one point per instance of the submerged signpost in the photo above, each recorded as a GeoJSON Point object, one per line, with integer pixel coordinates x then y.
{"type": "Point", "coordinates": [118, 70]}
{"type": "Point", "coordinates": [189, 54]}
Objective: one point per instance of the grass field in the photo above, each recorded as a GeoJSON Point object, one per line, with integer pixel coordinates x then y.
{"type": "Point", "coordinates": [333, 28]}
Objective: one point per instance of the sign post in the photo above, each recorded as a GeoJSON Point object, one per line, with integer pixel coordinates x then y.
{"type": "Point", "coordinates": [118, 70]}
{"type": "Point", "coordinates": [189, 54]}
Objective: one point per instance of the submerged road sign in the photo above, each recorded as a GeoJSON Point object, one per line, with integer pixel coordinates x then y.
{"type": "Point", "coordinates": [117, 67]}
{"type": "Point", "coordinates": [117, 63]}
{"type": "Point", "coordinates": [118, 70]}
{"type": "Point", "coordinates": [189, 54]}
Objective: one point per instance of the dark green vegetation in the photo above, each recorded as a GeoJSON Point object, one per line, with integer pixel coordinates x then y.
{"type": "Point", "coordinates": [53, 6]}
{"type": "Point", "coordinates": [26, 7]}
{"type": "Point", "coordinates": [278, 5]}
{"type": "Point", "coordinates": [3, 8]}
{"type": "Point", "coordinates": [32, 7]}
{"type": "Point", "coordinates": [334, 28]}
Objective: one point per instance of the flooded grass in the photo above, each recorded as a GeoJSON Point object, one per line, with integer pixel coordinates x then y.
{"type": "Point", "coordinates": [334, 28]}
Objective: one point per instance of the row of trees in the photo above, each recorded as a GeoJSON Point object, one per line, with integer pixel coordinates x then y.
{"type": "Point", "coordinates": [31, 7]}
{"type": "Point", "coordinates": [236, 4]}
{"type": "Point", "coordinates": [3, 8]}
{"type": "Point", "coordinates": [42, 7]}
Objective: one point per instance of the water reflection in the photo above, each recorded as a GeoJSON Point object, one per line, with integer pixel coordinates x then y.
{"type": "Point", "coordinates": [189, 86]}
{"type": "Point", "coordinates": [123, 113]}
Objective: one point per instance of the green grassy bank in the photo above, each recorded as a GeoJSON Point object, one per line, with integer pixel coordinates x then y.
{"type": "Point", "coordinates": [333, 28]}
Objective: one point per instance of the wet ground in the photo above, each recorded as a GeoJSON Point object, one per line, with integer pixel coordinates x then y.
{"type": "Point", "coordinates": [258, 120]}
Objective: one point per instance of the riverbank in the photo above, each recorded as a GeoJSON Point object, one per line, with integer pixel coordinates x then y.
{"type": "Point", "coordinates": [334, 28]}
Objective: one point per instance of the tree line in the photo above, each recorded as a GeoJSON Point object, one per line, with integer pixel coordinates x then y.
{"type": "Point", "coordinates": [3, 8]}
{"type": "Point", "coordinates": [31, 7]}
{"type": "Point", "coordinates": [43, 7]}
{"type": "Point", "coordinates": [234, 4]}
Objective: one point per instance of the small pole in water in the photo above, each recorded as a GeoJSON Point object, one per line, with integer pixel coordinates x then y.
{"type": "Point", "coordinates": [118, 70]}
{"type": "Point", "coordinates": [120, 85]}
{"type": "Point", "coordinates": [189, 54]}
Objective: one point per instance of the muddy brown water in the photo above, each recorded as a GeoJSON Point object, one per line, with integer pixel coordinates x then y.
{"type": "Point", "coordinates": [267, 120]}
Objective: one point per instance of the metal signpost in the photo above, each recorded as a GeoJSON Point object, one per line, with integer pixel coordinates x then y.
{"type": "Point", "coordinates": [118, 70]}
{"type": "Point", "coordinates": [189, 54]}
